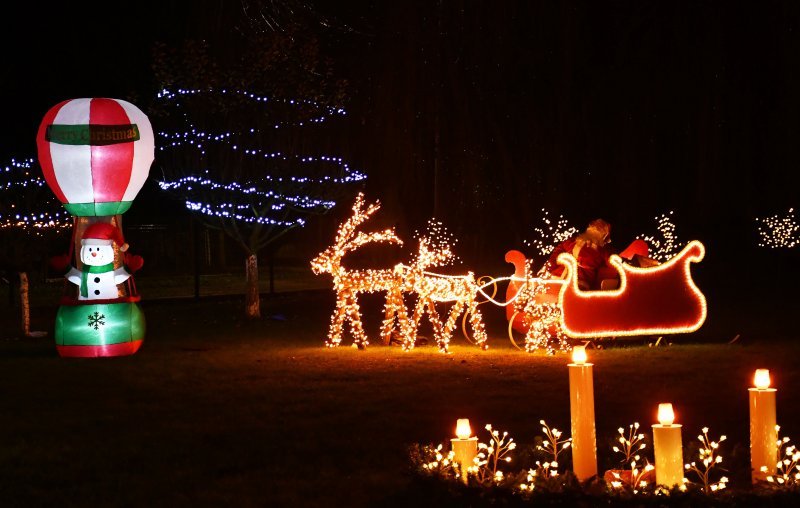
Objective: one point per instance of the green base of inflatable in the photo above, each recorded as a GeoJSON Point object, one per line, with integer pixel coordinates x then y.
{"type": "Point", "coordinates": [99, 329]}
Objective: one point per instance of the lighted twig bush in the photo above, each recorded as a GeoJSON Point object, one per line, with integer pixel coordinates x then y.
{"type": "Point", "coordinates": [550, 233]}
{"type": "Point", "coordinates": [550, 476]}
{"type": "Point", "coordinates": [778, 231]}
{"type": "Point", "coordinates": [630, 446]}
{"type": "Point", "coordinates": [490, 455]}
{"type": "Point", "coordinates": [665, 244]}
{"type": "Point", "coordinates": [709, 460]}
{"type": "Point", "coordinates": [552, 445]}
{"type": "Point", "coordinates": [788, 472]}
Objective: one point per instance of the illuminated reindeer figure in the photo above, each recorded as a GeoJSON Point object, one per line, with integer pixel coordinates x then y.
{"type": "Point", "coordinates": [536, 311]}
{"type": "Point", "coordinates": [349, 283]}
{"type": "Point", "coordinates": [430, 288]}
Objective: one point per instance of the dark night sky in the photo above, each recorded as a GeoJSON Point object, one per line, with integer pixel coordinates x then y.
{"type": "Point", "coordinates": [617, 109]}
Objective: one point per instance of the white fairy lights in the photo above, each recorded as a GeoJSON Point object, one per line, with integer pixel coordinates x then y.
{"type": "Point", "coordinates": [551, 233]}
{"type": "Point", "coordinates": [275, 198]}
{"type": "Point", "coordinates": [665, 244]}
{"type": "Point", "coordinates": [16, 179]}
{"type": "Point", "coordinates": [322, 112]}
{"type": "Point", "coordinates": [778, 231]}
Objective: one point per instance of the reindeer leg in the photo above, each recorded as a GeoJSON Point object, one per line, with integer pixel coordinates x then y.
{"type": "Point", "coordinates": [452, 319]}
{"type": "Point", "coordinates": [404, 324]}
{"type": "Point", "coordinates": [356, 328]}
{"type": "Point", "coordinates": [391, 309]}
{"type": "Point", "coordinates": [438, 329]}
{"type": "Point", "coordinates": [476, 321]}
{"type": "Point", "coordinates": [412, 326]}
{"type": "Point", "coordinates": [337, 320]}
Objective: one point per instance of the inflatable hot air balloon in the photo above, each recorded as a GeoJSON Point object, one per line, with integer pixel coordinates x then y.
{"type": "Point", "coordinates": [95, 155]}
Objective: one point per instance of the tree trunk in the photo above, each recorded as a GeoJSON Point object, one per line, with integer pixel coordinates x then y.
{"type": "Point", "coordinates": [195, 258]}
{"type": "Point", "coordinates": [24, 304]}
{"type": "Point", "coordinates": [272, 273]}
{"type": "Point", "coordinates": [252, 299]}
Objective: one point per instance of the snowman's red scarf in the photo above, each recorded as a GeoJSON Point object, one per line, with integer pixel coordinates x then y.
{"type": "Point", "coordinates": [92, 269]}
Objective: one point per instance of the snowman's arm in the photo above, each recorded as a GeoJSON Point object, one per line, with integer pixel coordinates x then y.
{"type": "Point", "coordinates": [121, 275]}
{"type": "Point", "coordinates": [74, 276]}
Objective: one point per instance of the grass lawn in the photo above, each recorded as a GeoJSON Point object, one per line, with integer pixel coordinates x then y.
{"type": "Point", "coordinates": [217, 411]}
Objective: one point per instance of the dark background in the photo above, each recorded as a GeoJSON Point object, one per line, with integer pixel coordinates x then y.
{"type": "Point", "coordinates": [483, 113]}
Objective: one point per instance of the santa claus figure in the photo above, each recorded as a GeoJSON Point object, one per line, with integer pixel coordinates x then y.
{"type": "Point", "coordinates": [98, 278]}
{"type": "Point", "coordinates": [591, 250]}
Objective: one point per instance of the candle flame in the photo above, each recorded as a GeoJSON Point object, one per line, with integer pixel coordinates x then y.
{"type": "Point", "coordinates": [762, 379]}
{"type": "Point", "coordinates": [579, 355]}
{"type": "Point", "coordinates": [665, 414]}
{"type": "Point", "coordinates": [462, 428]}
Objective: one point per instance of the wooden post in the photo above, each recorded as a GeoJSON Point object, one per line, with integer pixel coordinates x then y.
{"type": "Point", "coordinates": [24, 304]}
{"type": "Point", "coordinates": [252, 298]}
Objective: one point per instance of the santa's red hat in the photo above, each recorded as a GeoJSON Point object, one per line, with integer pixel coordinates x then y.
{"type": "Point", "coordinates": [103, 233]}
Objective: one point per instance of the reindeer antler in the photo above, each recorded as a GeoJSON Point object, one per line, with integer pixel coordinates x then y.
{"type": "Point", "coordinates": [345, 241]}
{"type": "Point", "coordinates": [348, 227]}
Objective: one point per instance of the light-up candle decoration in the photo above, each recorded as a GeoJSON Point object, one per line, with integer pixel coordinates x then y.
{"type": "Point", "coordinates": [465, 448]}
{"type": "Point", "coordinates": [581, 398]}
{"type": "Point", "coordinates": [668, 448]}
{"type": "Point", "coordinates": [763, 435]}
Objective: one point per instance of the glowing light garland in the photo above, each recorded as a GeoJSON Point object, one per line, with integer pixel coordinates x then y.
{"type": "Point", "coordinates": [255, 201]}
{"type": "Point", "coordinates": [16, 177]}
{"type": "Point", "coordinates": [666, 245]}
{"type": "Point", "coordinates": [778, 232]}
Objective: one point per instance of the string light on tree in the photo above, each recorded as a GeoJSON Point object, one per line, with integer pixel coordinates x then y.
{"type": "Point", "coordinates": [778, 231]}
{"type": "Point", "coordinates": [21, 206]}
{"type": "Point", "coordinates": [323, 112]}
{"type": "Point", "coordinates": [276, 197]}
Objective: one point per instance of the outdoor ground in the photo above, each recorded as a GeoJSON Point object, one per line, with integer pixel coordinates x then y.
{"type": "Point", "coordinates": [217, 411]}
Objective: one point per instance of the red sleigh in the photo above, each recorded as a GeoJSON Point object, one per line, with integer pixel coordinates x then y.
{"type": "Point", "coordinates": [662, 299]}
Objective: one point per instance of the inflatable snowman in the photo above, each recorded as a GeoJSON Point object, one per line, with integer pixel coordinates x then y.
{"type": "Point", "coordinates": [98, 279]}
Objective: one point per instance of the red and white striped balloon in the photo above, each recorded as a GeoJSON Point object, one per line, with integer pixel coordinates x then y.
{"type": "Point", "coordinates": [95, 154]}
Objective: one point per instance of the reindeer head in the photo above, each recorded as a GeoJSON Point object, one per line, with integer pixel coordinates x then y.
{"type": "Point", "coordinates": [330, 260]}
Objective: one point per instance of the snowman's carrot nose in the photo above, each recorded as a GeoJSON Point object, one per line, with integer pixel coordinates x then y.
{"type": "Point", "coordinates": [94, 254]}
